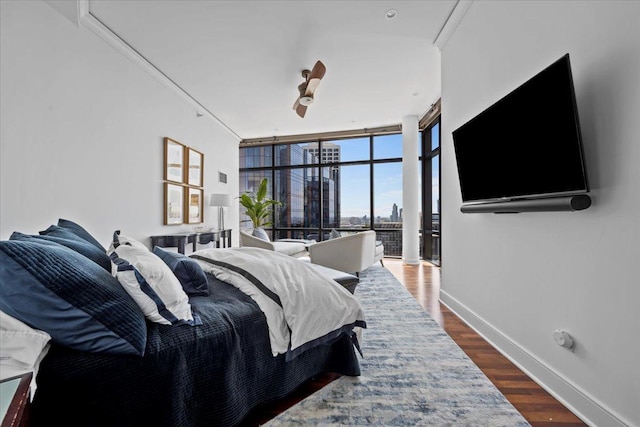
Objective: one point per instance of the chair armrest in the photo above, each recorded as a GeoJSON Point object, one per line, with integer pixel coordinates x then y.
{"type": "Point", "coordinates": [351, 254]}
{"type": "Point", "coordinates": [247, 239]}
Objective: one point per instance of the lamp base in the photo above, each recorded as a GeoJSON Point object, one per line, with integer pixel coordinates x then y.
{"type": "Point", "coordinates": [220, 218]}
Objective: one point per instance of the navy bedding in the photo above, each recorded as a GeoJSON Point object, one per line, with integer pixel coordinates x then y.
{"type": "Point", "coordinates": [213, 374]}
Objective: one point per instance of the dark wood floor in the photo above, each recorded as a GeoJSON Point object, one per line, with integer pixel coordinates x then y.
{"type": "Point", "coordinates": [423, 281]}
{"type": "Point", "coordinates": [538, 407]}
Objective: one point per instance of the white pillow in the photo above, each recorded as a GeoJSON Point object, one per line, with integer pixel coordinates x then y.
{"type": "Point", "coordinates": [152, 285]}
{"type": "Point", "coordinates": [21, 348]}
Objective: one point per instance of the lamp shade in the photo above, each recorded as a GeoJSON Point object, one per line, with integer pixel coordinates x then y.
{"type": "Point", "coordinates": [219, 200]}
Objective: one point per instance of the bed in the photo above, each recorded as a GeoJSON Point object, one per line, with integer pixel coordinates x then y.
{"type": "Point", "coordinates": [212, 366]}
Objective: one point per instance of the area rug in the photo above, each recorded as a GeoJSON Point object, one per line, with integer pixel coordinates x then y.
{"type": "Point", "coordinates": [413, 373]}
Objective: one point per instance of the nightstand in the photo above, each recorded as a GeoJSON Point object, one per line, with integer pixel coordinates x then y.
{"type": "Point", "coordinates": [15, 401]}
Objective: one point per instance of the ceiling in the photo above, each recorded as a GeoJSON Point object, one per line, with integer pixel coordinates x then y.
{"type": "Point", "coordinates": [242, 60]}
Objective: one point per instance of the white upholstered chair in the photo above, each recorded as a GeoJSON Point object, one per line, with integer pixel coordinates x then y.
{"type": "Point", "coordinates": [351, 253]}
{"type": "Point", "coordinates": [294, 248]}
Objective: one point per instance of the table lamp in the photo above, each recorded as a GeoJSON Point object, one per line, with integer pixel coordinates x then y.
{"type": "Point", "coordinates": [221, 201]}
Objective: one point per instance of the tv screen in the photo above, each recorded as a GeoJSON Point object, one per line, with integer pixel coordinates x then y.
{"type": "Point", "coordinates": [526, 145]}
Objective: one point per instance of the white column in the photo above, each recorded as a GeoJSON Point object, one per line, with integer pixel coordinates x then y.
{"type": "Point", "coordinates": [410, 191]}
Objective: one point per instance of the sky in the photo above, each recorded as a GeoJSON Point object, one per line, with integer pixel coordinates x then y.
{"type": "Point", "coordinates": [354, 180]}
{"type": "Point", "coordinates": [387, 177]}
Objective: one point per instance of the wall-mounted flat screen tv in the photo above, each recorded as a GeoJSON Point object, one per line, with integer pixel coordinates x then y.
{"type": "Point", "coordinates": [526, 145]}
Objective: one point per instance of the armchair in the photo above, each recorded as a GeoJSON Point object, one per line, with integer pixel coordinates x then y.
{"type": "Point", "coordinates": [294, 248]}
{"type": "Point", "coordinates": [351, 254]}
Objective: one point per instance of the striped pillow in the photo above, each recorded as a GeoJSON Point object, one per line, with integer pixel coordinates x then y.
{"type": "Point", "coordinates": [152, 285]}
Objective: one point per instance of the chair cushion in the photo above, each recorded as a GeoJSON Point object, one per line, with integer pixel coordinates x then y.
{"type": "Point", "coordinates": [260, 234]}
{"type": "Point", "coordinates": [379, 249]}
{"type": "Point", "coordinates": [290, 248]}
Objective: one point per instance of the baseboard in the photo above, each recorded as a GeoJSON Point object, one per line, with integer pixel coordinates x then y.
{"type": "Point", "coordinates": [584, 406]}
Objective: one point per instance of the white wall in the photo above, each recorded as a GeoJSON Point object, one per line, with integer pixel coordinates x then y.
{"type": "Point", "coordinates": [516, 278]}
{"type": "Point", "coordinates": [82, 132]}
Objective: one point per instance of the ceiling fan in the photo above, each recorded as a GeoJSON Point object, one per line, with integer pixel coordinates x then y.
{"type": "Point", "coordinates": [311, 81]}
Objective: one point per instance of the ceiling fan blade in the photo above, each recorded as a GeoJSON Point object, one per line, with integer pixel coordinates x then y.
{"type": "Point", "coordinates": [302, 87]}
{"type": "Point", "coordinates": [317, 72]}
{"type": "Point", "coordinates": [301, 110]}
{"type": "Point", "coordinates": [311, 87]}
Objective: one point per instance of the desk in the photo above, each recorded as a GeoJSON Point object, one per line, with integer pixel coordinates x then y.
{"type": "Point", "coordinates": [180, 240]}
{"type": "Point", "coordinates": [172, 241]}
{"type": "Point", "coordinates": [214, 236]}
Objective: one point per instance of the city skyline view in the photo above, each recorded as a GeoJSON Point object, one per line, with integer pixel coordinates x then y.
{"type": "Point", "coordinates": [349, 184]}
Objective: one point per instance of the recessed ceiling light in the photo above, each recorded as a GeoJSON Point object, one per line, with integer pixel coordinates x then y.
{"type": "Point", "coordinates": [391, 13]}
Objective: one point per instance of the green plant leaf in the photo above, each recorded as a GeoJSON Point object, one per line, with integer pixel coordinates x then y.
{"type": "Point", "coordinates": [262, 190]}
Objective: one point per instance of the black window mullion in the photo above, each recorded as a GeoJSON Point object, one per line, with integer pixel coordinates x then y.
{"type": "Point", "coordinates": [321, 191]}
{"type": "Point", "coordinates": [371, 182]}
{"type": "Point", "coordinates": [277, 171]}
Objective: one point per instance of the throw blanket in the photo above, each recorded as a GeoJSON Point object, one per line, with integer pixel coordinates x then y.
{"type": "Point", "coordinates": [303, 308]}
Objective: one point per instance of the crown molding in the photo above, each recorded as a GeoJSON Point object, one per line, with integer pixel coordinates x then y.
{"type": "Point", "coordinates": [450, 26]}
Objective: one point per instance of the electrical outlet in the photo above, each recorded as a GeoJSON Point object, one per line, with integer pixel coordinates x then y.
{"type": "Point", "coordinates": [563, 339]}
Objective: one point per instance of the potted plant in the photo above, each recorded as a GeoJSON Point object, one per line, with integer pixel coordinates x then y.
{"type": "Point", "coordinates": [259, 206]}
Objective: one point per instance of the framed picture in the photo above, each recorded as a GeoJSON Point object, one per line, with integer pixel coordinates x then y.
{"type": "Point", "coordinates": [173, 204]}
{"type": "Point", "coordinates": [194, 205]}
{"type": "Point", "coordinates": [195, 171]}
{"type": "Point", "coordinates": [174, 156]}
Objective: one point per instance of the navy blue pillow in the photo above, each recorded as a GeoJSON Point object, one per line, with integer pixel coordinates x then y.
{"type": "Point", "coordinates": [55, 289]}
{"type": "Point", "coordinates": [80, 232]}
{"type": "Point", "coordinates": [187, 270]}
{"type": "Point", "coordinates": [70, 240]}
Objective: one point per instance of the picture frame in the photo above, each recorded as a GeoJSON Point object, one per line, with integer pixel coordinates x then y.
{"type": "Point", "coordinates": [174, 159]}
{"type": "Point", "coordinates": [194, 161]}
{"type": "Point", "coordinates": [194, 205]}
{"type": "Point", "coordinates": [173, 204]}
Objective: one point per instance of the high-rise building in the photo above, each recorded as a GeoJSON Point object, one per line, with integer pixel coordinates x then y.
{"type": "Point", "coordinates": [300, 189]}
{"type": "Point", "coordinates": [394, 214]}
{"type": "Point", "coordinates": [330, 153]}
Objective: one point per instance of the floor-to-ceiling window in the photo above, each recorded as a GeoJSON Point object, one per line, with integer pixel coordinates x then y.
{"type": "Point", "coordinates": [348, 184]}
{"type": "Point", "coordinates": [430, 165]}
